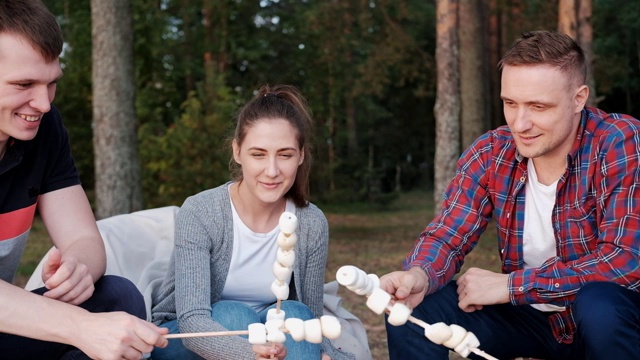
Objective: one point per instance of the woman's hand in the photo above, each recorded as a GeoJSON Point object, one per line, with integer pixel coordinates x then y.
{"type": "Point", "coordinates": [279, 351]}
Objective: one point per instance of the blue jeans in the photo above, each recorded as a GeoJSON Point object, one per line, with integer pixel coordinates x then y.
{"type": "Point", "coordinates": [112, 293]}
{"type": "Point", "coordinates": [607, 317]}
{"type": "Point", "coordinates": [234, 315]}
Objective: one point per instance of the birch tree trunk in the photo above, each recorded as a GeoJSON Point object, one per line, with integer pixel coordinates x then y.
{"type": "Point", "coordinates": [117, 163]}
{"type": "Point", "coordinates": [447, 106]}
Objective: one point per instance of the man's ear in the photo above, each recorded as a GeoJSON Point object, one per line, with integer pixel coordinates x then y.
{"type": "Point", "coordinates": [236, 151]}
{"type": "Point", "coordinates": [581, 97]}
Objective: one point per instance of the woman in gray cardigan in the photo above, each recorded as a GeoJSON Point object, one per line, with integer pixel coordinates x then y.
{"type": "Point", "coordinates": [220, 273]}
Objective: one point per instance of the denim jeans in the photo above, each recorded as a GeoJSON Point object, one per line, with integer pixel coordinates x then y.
{"type": "Point", "coordinates": [234, 315]}
{"type": "Point", "coordinates": [112, 293]}
{"type": "Point", "coordinates": [607, 317]}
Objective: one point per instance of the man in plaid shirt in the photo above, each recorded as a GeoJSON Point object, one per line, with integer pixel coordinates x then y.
{"type": "Point", "coordinates": [562, 182]}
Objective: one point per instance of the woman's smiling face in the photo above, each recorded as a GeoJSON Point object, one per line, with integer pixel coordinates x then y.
{"type": "Point", "coordinates": [269, 155]}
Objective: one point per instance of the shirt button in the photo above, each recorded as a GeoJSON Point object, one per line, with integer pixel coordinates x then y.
{"type": "Point", "coordinates": [522, 179]}
{"type": "Point", "coordinates": [502, 251]}
{"type": "Point", "coordinates": [520, 288]}
{"type": "Point", "coordinates": [557, 285]}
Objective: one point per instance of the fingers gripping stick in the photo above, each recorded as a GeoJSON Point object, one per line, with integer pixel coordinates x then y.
{"type": "Point", "coordinates": [452, 336]}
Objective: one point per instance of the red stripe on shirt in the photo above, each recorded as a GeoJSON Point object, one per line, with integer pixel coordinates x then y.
{"type": "Point", "coordinates": [16, 222]}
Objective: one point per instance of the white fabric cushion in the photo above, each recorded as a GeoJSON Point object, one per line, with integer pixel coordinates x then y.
{"type": "Point", "coordinates": [138, 247]}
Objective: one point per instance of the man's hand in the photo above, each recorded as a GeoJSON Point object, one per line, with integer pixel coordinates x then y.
{"type": "Point", "coordinates": [478, 287]}
{"type": "Point", "coordinates": [407, 286]}
{"type": "Point", "coordinates": [267, 350]}
{"type": "Point", "coordinates": [67, 279]}
{"type": "Point", "coordinates": [118, 335]}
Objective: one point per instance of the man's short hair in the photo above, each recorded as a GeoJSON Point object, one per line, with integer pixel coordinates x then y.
{"type": "Point", "coordinates": [31, 20]}
{"type": "Point", "coordinates": [548, 48]}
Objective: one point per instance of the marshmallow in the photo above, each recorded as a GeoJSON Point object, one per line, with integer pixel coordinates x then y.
{"type": "Point", "coordinates": [287, 242]}
{"type": "Point", "coordinates": [313, 331]}
{"type": "Point", "coordinates": [275, 314]}
{"type": "Point", "coordinates": [288, 223]}
{"type": "Point", "coordinates": [399, 314]}
{"type": "Point", "coordinates": [295, 327]}
{"type": "Point", "coordinates": [280, 290]}
{"type": "Point", "coordinates": [457, 335]}
{"type": "Point", "coordinates": [282, 273]}
{"type": "Point", "coordinates": [438, 333]}
{"type": "Point", "coordinates": [286, 258]}
{"type": "Point", "coordinates": [257, 334]}
{"type": "Point", "coordinates": [378, 300]}
{"type": "Point", "coordinates": [331, 327]}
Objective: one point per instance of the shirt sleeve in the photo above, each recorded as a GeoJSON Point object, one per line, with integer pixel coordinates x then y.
{"type": "Point", "coordinates": [465, 212]}
{"type": "Point", "coordinates": [60, 168]}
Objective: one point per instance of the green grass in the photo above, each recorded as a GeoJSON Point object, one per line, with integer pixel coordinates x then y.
{"type": "Point", "coordinates": [375, 240]}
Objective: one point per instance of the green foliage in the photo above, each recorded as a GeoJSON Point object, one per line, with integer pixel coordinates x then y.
{"type": "Point", "coordinates": [188, 156]}
{"type": "Point", "coordinates": [366, 67]}
{"type": "Point", "coordinates": [73, 97]}
{"type": "Point", "coordinates": [617, 48]}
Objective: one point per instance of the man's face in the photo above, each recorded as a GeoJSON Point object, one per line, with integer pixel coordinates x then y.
{"type": "Point", "coordinates": [27, 88]}
{"type": "Point", "coordinates": [542, 107]}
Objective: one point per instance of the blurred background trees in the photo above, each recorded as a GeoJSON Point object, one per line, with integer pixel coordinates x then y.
{"type": "Point", "coordinates": [367, 67]}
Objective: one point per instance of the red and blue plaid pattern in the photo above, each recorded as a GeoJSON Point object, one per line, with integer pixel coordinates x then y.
{"type": "Point", "coordinates": [596, 215]}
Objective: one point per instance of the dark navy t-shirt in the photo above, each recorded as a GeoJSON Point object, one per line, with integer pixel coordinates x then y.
{"type": "Point", "coordinates": [27, 170]}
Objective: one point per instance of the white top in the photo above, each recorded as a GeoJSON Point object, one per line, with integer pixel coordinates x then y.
{"type": "Point", "coordinates": [539, 243]}
{"type": "Point", "coordinates": [251, 271]}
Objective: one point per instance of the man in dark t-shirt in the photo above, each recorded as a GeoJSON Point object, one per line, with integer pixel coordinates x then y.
{"type": "Point", "coordinates": [80, 313]}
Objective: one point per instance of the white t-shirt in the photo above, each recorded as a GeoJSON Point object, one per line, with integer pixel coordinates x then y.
{"type": "Point", "coordinates": [539, 243]}
{"type": "Point", "coordinates": [251, 270]}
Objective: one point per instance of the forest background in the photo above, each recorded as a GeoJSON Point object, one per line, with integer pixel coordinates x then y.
{"type": "Point", "coordinates": [398, 88]}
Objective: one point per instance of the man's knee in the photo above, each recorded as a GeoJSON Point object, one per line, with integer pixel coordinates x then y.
{"type": "Point", "coordinates": [603, 305]}
{"type": "Point", "coordinates": [115, 293]}
{"type": "Point", "coordinates": [607, 317]}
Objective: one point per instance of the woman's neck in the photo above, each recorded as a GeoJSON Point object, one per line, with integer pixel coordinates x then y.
{"type": "Point", "coordinates": [257, 216]}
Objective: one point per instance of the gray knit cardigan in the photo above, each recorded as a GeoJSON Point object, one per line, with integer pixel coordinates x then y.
{"type": "Point", "coordinates": [200, 263]}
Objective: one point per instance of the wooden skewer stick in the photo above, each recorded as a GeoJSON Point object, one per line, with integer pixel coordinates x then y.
{"type": "Point", "coordinates": [425, 326]}
{"type": "Point", "coordinates": [213, 333]}
{"type": "Point", "coordinates": [206, 334]}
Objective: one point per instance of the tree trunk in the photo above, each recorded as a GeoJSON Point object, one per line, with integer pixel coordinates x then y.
{"type": "Point", "coordinates": [472, 113]}
{"type": "Point", "coordinates": [331, 125]}
{"type": "Point", "coordinates": [447, 106]}
{"type": "Point", "coordinates": [574, 19]}
{"type": "Point", "coordinates": [567, 18]}
{"type": "Point", "coordinates": [187, 43]}
{"type": "Point", "coordinates": [585, 39]}
{"type": "Point", "coordinates": [349, 100]}
{"type": "Point", "coordinates": [117, 164]}
{"type": "Point", "coordinates": [494, 55]}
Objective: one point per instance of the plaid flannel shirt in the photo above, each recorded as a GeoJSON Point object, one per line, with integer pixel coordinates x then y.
{"type": "Point", "coordinates": [595, 218]}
